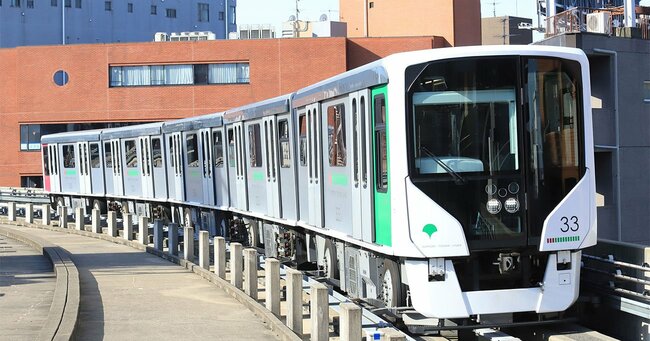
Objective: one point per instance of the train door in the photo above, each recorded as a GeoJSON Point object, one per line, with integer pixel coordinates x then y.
{"type": "Point", "coordinates": [220, 170]}
{"type": "Point", "coordinates": [337, 160]}
{"type": "Point", "coordinates": [55, 180]}
{"type": "Point", "coordinates": [192, 167]}
{"type": "Point", "coordinates": [314, 165]}
{"type": "Point", "coordinates": [96, 169]}
{"type": "Point", "coordinates": [70, 168]}
{"type": "Point", "coordinates": [240, 180]}
{"type": "Point", "coordinates": [206, 166]}
{"type": "Point", "coordinates": [362, 189]}
{"type": "Point", "coordinates": [303, 171]}
{"type": "Point", "coordinates": [233, 167]}
{"type": "Point", "coordinates": [158, 168]}
{"type": "Point", "coordinates": [131, 158]}
{"type": "Point", "coordinates": [286, 170]}
{"type": "Point", "coordinates": [45, 155]}
{"type": "Point", "coordinates": [109, 170]}
{"type": "Point", "coordinates": [255, 163]}
{"type": "Point", "coordinates": [84, 169]}
{"type": "Point", "coordinates": [175, 167]}
{"type": "Point", "coordinates": [118, 174]}
{"type": "Point", "coordinates": [145, 166]}
{"type": "Point", "coordinates": [272, 177]}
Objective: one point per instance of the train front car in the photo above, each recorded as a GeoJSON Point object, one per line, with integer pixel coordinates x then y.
{"type": "Point", "coordinates": [498, 171]}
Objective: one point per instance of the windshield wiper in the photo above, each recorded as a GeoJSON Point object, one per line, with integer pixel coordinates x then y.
{"type": "Point", "coordinates": [458, 179]}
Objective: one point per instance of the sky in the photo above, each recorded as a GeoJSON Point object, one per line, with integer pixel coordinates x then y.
{"type": "Point", "coordinates": [276, 12]}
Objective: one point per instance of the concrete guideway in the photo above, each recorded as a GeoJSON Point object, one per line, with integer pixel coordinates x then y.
{"type": "Point", "coordinates": [130, 294]}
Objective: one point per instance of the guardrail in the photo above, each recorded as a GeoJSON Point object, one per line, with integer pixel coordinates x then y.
{"type": "Point", "coordinates": [24, 195]}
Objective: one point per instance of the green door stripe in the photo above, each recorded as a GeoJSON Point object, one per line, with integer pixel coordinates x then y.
{"type": "Point", "coordinates": [383, 235]}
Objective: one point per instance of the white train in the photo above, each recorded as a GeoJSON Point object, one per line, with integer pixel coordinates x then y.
{"type": "Point", "coordinates": [457, 181]}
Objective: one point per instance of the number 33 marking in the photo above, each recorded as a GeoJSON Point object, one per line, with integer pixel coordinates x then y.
{"type": "Point", "coordinates": [570, 224]}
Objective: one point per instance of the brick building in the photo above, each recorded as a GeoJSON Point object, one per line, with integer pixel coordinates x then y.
{"type": "Point", "coordinates": [145, 82]}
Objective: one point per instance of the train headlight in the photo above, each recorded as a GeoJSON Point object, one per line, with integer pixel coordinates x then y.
{"type": "Point", "coordinates": [512, 205]}
{"type": "Point", "coordinates": [493, 206]}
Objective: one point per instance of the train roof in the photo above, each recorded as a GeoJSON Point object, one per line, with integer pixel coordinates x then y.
{"type": "Point", "coordinates": [276, 105]}
{"type": "Point", "coordinates": [360, 78]}
{"type": "Point", "coordinates": [72, 136]}
{"type": "Point", "coordinates": [132, 131]}
{"type": "Point", "coordinates": [193, 123]}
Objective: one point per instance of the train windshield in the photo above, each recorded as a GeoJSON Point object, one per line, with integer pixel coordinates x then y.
{"type": "Point", "coordinates": [482, 154]}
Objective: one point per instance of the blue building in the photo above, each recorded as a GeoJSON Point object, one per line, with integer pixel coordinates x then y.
{"type": "Point", "coordinates": [48, 22]}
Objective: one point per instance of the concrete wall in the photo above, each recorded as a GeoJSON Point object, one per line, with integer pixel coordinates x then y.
{"type": "Point", "coordinates": [457, 21]}
{"type": "Point", "coordinates": [630, 145]}
{"type": "Point", "coordinates": [92, 23]}
{"type": "Point", "coordinates": [277, 66]}
{"type": "Point", "coordinates": [505, 31]}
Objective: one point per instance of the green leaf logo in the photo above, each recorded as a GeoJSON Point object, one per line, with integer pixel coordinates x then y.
{"type": "Point", "coordinates": [430, 229]}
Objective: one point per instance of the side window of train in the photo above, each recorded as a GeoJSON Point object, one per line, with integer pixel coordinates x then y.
{"type": "Point", "coordinates": [46, 162]}
{"type": "Point", "coordinates": [302, 122]}
{"type": "Point", "coordinates": [336, 135]}
{"type": "Point", "coordinates": [255, 146]}
{"type": "Point", "coordinates": [69, 160]}
{"type": "Point", "coordinates": [218, 149]}
{"type": "Point", "coordinates": [172, 159]}
{"type": "Point", "coordinates": [380, 141]}
{"type": "Point", "coordinates": [192, 145]}
{"type": "Point", "coordinates": [131, 154]}
{"type": "Point", "coordinates": [94, 155]}
{"type": "Point", "coordinates": [108, 160]}
{"type": "Point", "coordinates": [285, 148]}
{"type": "Point", "coordinates": [231, 148]}
{"type": "Point", "coordinates": [156, 149]}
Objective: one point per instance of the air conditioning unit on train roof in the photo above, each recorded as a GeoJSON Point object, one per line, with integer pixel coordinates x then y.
{"type": "Point", "coordinates": [599, 23]}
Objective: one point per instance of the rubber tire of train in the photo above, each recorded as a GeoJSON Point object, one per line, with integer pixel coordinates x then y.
{"type": "Point", "coordinates": [329, 249]}
{"type": "Point", "coordinates": [253, 233]}
{"type": "Point", "coordinates": [392, 269]}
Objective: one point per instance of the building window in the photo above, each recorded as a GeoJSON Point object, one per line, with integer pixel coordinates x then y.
{"type": "Point", "coordinates": [129, 7]}
{"type": "Point", "coordinates": [285, 148]}
{"type": "Point", "coordinates": [336, 135]}
{"type": "Point", "coordinates": [108, 6]}
{"type": "Point", "coordinates": [371, 4]}
{"type": "Point", "coordinates": [15, 3]}
{"type": "Point", "coordinates": [255, 146]}
{"type": "Point", "coordinates": [30, 137]}
{"type": "Point", "coordinates": [171, 13]}
{"type": "Point", "coordinates": [221, 15]}
{"type": "Point", "coordinates": [68, 3]}
{"type": "Point", "coordinates": [30, 3]}
{"type": "Point", "coordinates": [69, 159]}
{"type": "Point", "coordinates": [192, 145]}
{"type": "Point", "coordinates": [231, 16]}
{"type": "Point", "coordinates": [94, 155]}
{"type": "Point", "coordinates": [646, 91]}
{"type": "Point", "coordinates": [53, 3]}
{"type": "Point", "coordinates": [159, 75]}
{"type": "Point", "coordinates": [154, 10]}
{"type": "Point", "coordinates": [204, 12]}
{"type": "Point", "coordinates": [77, 3]}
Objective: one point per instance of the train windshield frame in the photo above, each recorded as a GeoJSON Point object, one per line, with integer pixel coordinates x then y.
{"type": "Point", "coordinates": [487, 140]}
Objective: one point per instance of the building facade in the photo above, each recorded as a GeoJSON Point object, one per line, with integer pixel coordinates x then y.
{"type": "Point", "coordinates": [458, 22]}
{"type": "Point", "coordinates": [87, 86]}
{"type": "Point", "coordinates": [50, 22]}
{"type": "Point", "coordinates": [505, 31]}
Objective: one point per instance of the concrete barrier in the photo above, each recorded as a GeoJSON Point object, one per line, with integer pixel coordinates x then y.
{"type": "Point", "coordinates": [294, 300]}
{"type": "Point", "coordinates": [319, 306]}
{"type": "Point", "coordinates": [350, 322]}
{"type": "Point", "coordinates": [188, 243]}
{"type": "Point", "coordinates": [143, 229]}
{"type": "Point", "coordinates": [11, 211]}
{"type": "Point", "coordinates": [250, 269]}
{"type": "Point", "coordinates": [236, 265]}
{"type": "Point", "coordinates": [45, 214]}
{"type": "Point", "coordinates": [63, 217]}
{"type": "Point", "coordinates": [29, 213]}
{"type": "Point", "coordinates": [204, 249]}
{"type": "Point", "coordinates": [220, 257]}
{"type": "Point", "coordinates": [127, 226]}
{"type": "Point", "coordinates": [96, 221]}
{"type": "Point", "coordinates": [172, 239]}
{"type": "Point", "coordinates": [272, 285]}
{"type": "Point", "coordinates": [79, 218]}
{"type": "Point", "coordinates": [111, 221]}
{"type": "Point", "coordinates": [158, 234]}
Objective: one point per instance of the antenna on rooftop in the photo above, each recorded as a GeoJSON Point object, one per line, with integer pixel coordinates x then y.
{"type": "Point", "coordinates": [494, 8]}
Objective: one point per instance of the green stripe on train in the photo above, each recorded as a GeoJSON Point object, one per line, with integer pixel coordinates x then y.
{"type": "Point", "coordinates": [258, 176]}
{"type": "Point", "coordinates": [132, 172]}
{"type": "Point", "coordinates": [339, 179]}
{"type": "Point", "coordinates": [383, 235]}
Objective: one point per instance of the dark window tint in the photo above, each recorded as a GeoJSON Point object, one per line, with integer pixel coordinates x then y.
{"type": "Point", "coordinates": [77, 3]}
{"type": "Point", "coordinates": [131, 154]}
{"type": "Point", "coordinates": [204, 12]}
{"type": "Point", "coordinates": [255, 145]}
{"type": "Point", "coordinates": [201, 74]}
{"type": "Point", "coordinates": [156, 149]}
{"type": "Point", "coordinates": [336, 135]}
{"type": "Point", "coordinates": [192, 145]}
{"type": "Point", "coordinates": [231, 148]}
{"type": "Point", "coordinates": [94, 155]}
{"type": "Point", "coordinates": [53, 3]}
{"type": "Point", "coordinates": [46, 162]}
{"type": "Point", "coordinates": [285, 147]}
{"type": "Point", "coordinates": [68, 3]}
{"type": "Point", "coordinates": [69, 158]}
{"type": "Point", "coordinates": [171, 13]}
{"type": "Point", "coordinates": [302, 124]}
{"type": "Point", "coordinates": [129, 7]}
{"type": "Point", "coordinates": [221, 15]}
{"type": "Point", "coordinates": [154, 10]}
{"type": "Point", "coordinates": [381, 154]}
{"type": "Point", "coordinates": [218, 149]}
{"type": "Point", "coordinates": [172, 159]}
{"type": "Point", "coordinates": [108, 6]}
{"type": "Point", "coordinates": [15, 3]}
{"type": "Point", "coordinates": [30, 3]}
{"type": "Point", "coordinates": [108, 157]}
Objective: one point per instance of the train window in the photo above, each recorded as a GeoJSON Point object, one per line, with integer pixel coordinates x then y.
{"type": "Point", "coordinates": [172, 159]}
{"type": "Point", "coordinates": [255, 145]}
{"type": "Point", "coordinates": [231, 148]}
{"type": "Point", "coordinates": [381, 149]}
{"type": "Point", "coordinates": [302, 122]}
{"type": "Point", "coordinates": [217, 139]}
{"type": "Point", "coordinates": [336, 135]}
{"type": "Point", "coordinates": [46, 162]}
{"type": "Point", "coordinates": [192, 145]}
{"type": "Point", "coordinates": [156, 146]}
{"type": "Point", "coordinates": [285, 147]}
{"type": "Point", "coordinates": [69, 159]}
{"type": "Point", "coordinates": [355, 145]}
{"type": "Point", "coordinates": [94, 155]}
{"type": "Point", "coordinates": [131, 154]}
{"type": "Point", "coordinates": [108, 159]}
